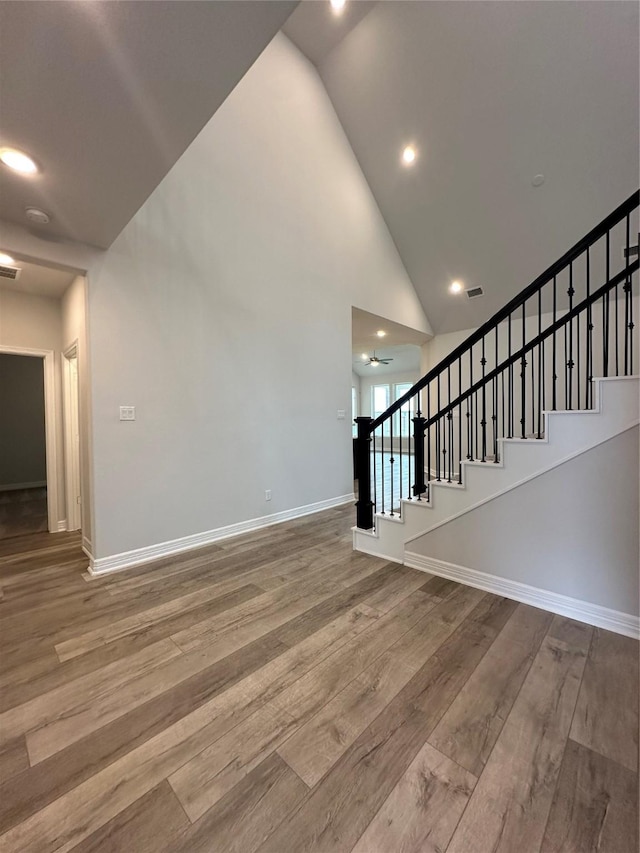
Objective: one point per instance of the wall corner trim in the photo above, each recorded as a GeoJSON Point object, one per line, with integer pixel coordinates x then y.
{"type": "Point", "coordinates": [128, 559]}
{"type": "Point", "coordinates": [573, 608]}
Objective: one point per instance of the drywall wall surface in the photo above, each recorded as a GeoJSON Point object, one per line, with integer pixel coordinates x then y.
{"type": "Point", "coordinates": [74, 331]}
{"type": "Point", "coordinates": [35, 322]}
{"type": "Point", "coordinates": [223, 314]}
{"type": "Point", "coordinates": [573, 530]}
{"type": "Point", "coordinates": [23, 459]}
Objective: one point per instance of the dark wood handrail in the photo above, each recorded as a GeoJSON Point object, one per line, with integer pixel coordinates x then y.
{"type": "Point", "coordinates": [537, 284]}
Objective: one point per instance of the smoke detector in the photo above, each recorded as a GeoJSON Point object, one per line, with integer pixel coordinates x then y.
{"type": "Point", "coordinates": [34, 214]}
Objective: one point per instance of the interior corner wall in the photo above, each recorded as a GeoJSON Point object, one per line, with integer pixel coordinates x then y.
{"type": "Point", "coordinates": [223, 314]}
{"type": "Point", "coordinates": [35, 322]}
{"type": "Point", "coordinates": [74, 330]}
{"type": "Point", "coordinates": [572, 530]}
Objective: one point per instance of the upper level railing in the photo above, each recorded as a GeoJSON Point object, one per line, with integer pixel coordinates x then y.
{"type": "Point", "coordinates": [540, 351]}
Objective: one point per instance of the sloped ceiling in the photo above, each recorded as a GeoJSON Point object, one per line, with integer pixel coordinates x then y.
{"type": "Point", "coordinates": [491, 94]}
{"type": "Point", "coordinates": [107, 96]}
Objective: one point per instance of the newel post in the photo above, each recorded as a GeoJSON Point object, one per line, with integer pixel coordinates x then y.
{"type": "Point", "coordinates": [418, 455]}
{"type": "Point", "coordinates": [364, 505]}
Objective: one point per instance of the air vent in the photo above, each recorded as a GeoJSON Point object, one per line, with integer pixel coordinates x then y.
{"type": "Point", "coordinates": [10, 272]}
{"type": "Point", "coordinates": [474, 292]}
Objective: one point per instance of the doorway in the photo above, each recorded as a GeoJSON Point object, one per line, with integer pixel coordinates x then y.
{"type": "Point", "coordinates": [28, 502]}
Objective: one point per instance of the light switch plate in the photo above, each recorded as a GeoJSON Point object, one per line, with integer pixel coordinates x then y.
{"type": "Point", "coordinates": [341, 414]}
{"type": "Point", "coordinates": [127, 413]}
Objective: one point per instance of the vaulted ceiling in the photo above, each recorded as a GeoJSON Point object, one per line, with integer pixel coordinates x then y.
{"type": "Point", "coordinates": [107, 95]}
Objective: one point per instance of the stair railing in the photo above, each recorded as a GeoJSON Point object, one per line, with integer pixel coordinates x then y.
{"type": "Point", "coordinates": [539, 352]}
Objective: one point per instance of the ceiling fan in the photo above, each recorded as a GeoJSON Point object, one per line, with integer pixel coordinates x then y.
{"type": "Point", "coordinates": [374, 361]}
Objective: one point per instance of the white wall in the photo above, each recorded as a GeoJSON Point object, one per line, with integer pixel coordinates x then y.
{"type": "Point", "coordinates": [572, 530]}
{"type": "Point", "coordinates": [35, 322]}
{"type": "Point", "coordinates": [223, 313]}
{"type": "Point", "coordinates": [74, 330]}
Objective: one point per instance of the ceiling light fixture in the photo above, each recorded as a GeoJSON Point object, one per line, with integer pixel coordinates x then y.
{"type": "Point", "coordinates": [338, 6]}
{"type": "Point", "coordinates": [409, 155]}
{"type": "Point", "coordinates": [6, 259]}
{"type": "Point", "coordinates": [34, 214]}
{"type": "Point", "coordinates": [18, 161]}
{"type": "Point", "coordinates": [381, 333]}
{"type": "Point", "coordinates": [456, 287]}
{"type": "Point", "coordinates": [364, 355]}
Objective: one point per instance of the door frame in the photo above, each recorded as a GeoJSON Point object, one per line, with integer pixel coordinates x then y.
{"type": "Point", "coordinates": [71, 445]}
{"type": "Point", "coordinates": [50, 414]}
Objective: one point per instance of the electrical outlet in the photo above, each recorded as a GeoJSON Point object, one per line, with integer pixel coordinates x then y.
{"type": "Point", "coordinates": [127, 413]}
{"type": "Point", "coordinates": [267, 494]}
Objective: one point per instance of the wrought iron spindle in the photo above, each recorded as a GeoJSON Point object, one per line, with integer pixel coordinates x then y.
{"type": "Point", "coordinates": [471, 412]}
{"type": "Point", "coordinates": [540, 379]}
{"type": "Point", "coordinates": [555, 371]}
{"type": "Point", "coordinates": [628, 321]}
{"type": "Point", "coordinates": [483, 422]}
{"type": "Point", "coordinates": [523, 378]}
{"type": "Point", "coordinates": [428, 444]}
{"type": "Point", "coordinates": [459, 423]}
{"type": "Point", "coordinates": [589, 364]}
{"type": "Point", "coordinates": [382, 470]}
{"type": "Point", "coordinates": [570, 363]}
{"type": "Point", "coordinates": [391, 464]}
{"type": "Point", "coordinates": [605, 309]}
{"type": "Point", "coordinates": [375, 479]}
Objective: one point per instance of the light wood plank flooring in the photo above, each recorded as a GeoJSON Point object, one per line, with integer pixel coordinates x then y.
{"type": "Point", "coordinates": [279, 693]}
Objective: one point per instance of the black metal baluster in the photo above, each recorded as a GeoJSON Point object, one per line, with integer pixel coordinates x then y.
{"type": "Point", "coordinates": [539, 365]}
{"type": "Point", "coordinates": [391, 462]}
{"type": "Point", "coordinates": [589, 366]}
{"type": "Point", "coordinates": [470, 408]}
{"type": "Point", "coordinates": [483, 422]}
{"type": "Point", "coordinates": [628, 322]}
{"type": "Point", "coordinates": [566, 369]}
{"type": "Point", "coordinates": [428, 444]}
{"type": "Point", "coordinates": [605, 310]}
{"type": "Point", "coordinates": [533, 395]}
{"type": "Point", "coordinates": [503, 430]}
{"type": "Point", "coordinates": [570, 363]}
{"type": "Point", "coordinates": [460, 422]}
{"type": "Point", "coordinates": [555, 371]}
{"type": "Point", "coordinates": [449, 424]}
{"type": "Point", "coordinates": [375, 479]}
{"type": "Point", "coordinates": [510, 382]}
{"type": "Point", "coordinates": [438, 445]}
{"type": "Point", "coordinates": [523, 378]}
{"type": "Point", "coordinates": [475, 420]}
{"type": "Point", "coordinates": [382, 469]}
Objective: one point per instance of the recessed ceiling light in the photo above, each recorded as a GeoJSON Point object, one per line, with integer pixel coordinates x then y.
{"type": "Point", "coordinates": [338, 6]}
{"type": "Point", "coordinates": [538, 180]}
{"type": "Point", "coordinates": [6, 259]}
{"type": "Point", "coordinates": [18, 161]}
{"type": "Point", "coordinates": [381, 333]}
{"type": "Point", "coordinates": [456, 287]}
{"type": "Point", "coordinates": [409, 155]}
{"type": "Point", "coordinates": [364, 355]}
{"type": "Point", "coordinates": [34, 214]}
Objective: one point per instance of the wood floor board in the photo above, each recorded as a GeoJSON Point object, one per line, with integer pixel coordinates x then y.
{"type": "Point", "coordinates": [422, 811]}
{"type": "Point", "coordinates": [319, 743]}
{"type": "Point", "coordinates": [14, 758]}
{"type": "Point", "coordinates": [606, 718]}
{"type": "Point", "coordinates": [322, 701]}
{"type": "Point", "coordinates": [247, 814]}
{"type": "Point", "coordinates": [595, 806]}
{"type": "Point", "coordinates": [470, 728]}
{"type": "Point", "coordinates": [336, 812]}
{"type": "Point", "coordinates": [509, 807]}
{"type": "Point", "coordinates": [155, 818]}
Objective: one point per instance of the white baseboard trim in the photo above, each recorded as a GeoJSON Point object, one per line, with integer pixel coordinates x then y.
{"type": "Point", "coordinates": [62, 526]}
{"type": "Point", "coordinates": [14, 487]}
{"type": "Point", "coordinates": [127, 559]}
{"type": "Point", "coordinates": [563, 605]}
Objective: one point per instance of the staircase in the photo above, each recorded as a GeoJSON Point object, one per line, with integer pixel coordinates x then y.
{"type": "Point", "coordinates": [549, 377]}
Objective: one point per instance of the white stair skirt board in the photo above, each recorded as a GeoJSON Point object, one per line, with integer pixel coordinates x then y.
{"type": "Point", "coordinates": [127, 559]}
{"type": "Point", "coordinates": [573, 608]}
{"type": "Point", "coordinates": [566, 434]}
